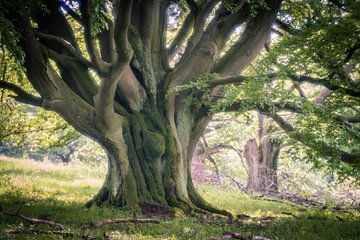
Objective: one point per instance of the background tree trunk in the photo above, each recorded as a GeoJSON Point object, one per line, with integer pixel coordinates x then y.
{"type": "Point", "coordinates": [262, 159]}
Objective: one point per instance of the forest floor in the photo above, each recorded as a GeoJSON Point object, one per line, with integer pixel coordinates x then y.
{"type": "Point", "coordinates": [58, 193]}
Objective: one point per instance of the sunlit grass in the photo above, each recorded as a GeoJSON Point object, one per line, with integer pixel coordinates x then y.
{"type": "Point", "coordinates": [59, 192]}
{"type": "Point", "coordinates": [239, 202]}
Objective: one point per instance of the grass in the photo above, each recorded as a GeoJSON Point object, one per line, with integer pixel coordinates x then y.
{"type": "Point", "coordinates": [59, 193]}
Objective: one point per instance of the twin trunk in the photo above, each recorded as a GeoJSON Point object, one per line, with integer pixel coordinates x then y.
{"type": "Point", "coordinates": [144, 167]}
{"type": "Point", "coordinates": [262, 159]}
{"type": "Point", "coordinates": [262, 166]}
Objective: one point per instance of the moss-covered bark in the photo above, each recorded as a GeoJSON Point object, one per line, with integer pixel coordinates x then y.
{"type": "Point", "coordinates": [153, 168]}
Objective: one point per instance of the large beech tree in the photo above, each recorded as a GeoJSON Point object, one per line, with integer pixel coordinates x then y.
{"type": "Point", "coordinates": [105, 67]}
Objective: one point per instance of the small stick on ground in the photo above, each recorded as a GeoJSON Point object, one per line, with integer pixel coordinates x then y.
{"type": "Point", "coordinates": [64, 234]}
{"type": "Point", "coordinates": [121, 220]}
{"type": "Point", "coordinates": [32, 220]}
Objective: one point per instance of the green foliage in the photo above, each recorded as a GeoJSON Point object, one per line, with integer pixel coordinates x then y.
{"type": "Point", "coordinates": [99, 15]}
{"type": "Point", "coordinates": [9, 37]}
{"type": "Point", "coordinates": [199, 90]}
{"type": "Point", "coordinates": [323, 43]}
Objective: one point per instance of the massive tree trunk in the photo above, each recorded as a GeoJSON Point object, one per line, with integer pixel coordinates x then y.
{"type": "Point", "coordinates": [261, 156]}
{"type": "Point", "coordinates": [147, 129]}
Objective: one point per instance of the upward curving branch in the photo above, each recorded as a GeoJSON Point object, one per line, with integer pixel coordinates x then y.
{"type": "Point", "coordinates": [101, 67]}
{"type": "Point", "coordinates": [122, 22]}
{"type": "Point", "coordinates": [68, 46]}
{"type": "Point", "coordinates": [104, 103]}
{"type": "Point", "coordinates": [181, 37]}
{"type": "Point", "coordinates": [250, 43]}
{"type": "Point", "coordinates": [355, 92]}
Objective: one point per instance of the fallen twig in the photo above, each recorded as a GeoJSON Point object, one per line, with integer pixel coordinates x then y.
{"type": "Point", "coordinates": [51, 223]}
{"type": "Point", "coordinates": [121, 220]}
{"type": "Point", "coordinates": [32, 220]}
{"type": "Point", "coordinates": [64, 234]}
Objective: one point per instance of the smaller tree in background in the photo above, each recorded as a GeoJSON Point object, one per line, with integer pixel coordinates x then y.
{"type": "Point", "coordinates": [262, 156]}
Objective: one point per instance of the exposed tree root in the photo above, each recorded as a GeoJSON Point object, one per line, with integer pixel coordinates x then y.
{"type": "Point", "coordinates": [33, 220]}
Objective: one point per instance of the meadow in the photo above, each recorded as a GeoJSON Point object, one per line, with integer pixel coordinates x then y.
{"type": "Point", "coordinates": [59, 192]}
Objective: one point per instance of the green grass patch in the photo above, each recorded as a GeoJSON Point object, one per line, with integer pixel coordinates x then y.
{"type": "Point", "coordinates": [59, 192]}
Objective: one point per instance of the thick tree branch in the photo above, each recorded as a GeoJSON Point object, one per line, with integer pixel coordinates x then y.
{"type": "Point", "coordinates": [21, 95]}
{"type": "Point", "coordinates": [291, 107]}
{"type": "Point", "coordinates": [349, 119]}
{"type": "Point", "coordinates": [201, 57]}
{"type": "Point", "coordinates": [104, 103]}
{"type": "Point", "coordinates": [122, 22]}
{"type": "Point", "coordinates": [198, 25]}
{"type": "Point", "coordinates": [250, 43]}
{"type": "Point", "coordinates": [56, 94]}
{"type": "Point", "coordinates": [180, 38]}
{"type": "Point", "coordinates": [75, 53]}
{"type": "Point", "coordinates": [237, 79]}
{"type": "Point", "coordinates": [324, 82]}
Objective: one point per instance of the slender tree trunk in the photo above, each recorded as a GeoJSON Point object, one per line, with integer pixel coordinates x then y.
{"type": "Point", "coordinates": [262, 160]}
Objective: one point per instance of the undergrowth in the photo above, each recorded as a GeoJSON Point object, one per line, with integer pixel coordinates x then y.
{"type": "Point", "coordinates": [59, 193]}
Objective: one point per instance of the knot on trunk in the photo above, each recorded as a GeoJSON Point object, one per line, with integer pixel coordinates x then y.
{"type": "Point", "coordinates": [153, 144]}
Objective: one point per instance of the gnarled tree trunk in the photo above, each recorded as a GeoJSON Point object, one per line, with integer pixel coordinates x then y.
{"type": "Point", "coordinates": [133, 110]}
